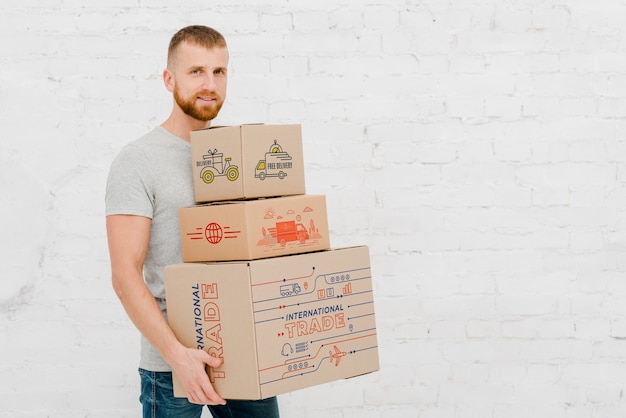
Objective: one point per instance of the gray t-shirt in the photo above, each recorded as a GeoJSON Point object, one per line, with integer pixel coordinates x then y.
{"type": "Point", "coordinates": [152, 177]}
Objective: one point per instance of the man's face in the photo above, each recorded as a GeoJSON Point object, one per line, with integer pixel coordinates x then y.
{"type": "Point", "coordinates": [199, 80]}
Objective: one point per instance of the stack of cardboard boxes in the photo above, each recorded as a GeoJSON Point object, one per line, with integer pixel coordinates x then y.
{"type": "Point", "coordinates": [260, 286]}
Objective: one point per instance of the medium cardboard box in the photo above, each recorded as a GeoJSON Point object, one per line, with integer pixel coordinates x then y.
{"type": "Point", "coordinates": [251, 229]}
{"type": "Point", "coordinates": [279, 324]}
{"type": "Point", "coordinates": [247, 161]}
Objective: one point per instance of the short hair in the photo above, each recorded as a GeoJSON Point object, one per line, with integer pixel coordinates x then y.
{"type": "Point", "coordinates": [196, 35]}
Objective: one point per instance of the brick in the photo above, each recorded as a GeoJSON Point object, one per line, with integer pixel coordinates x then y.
{"type": "Point", "coordinates": [345, 18]}
{"type": "Point", "coordinates": [381, 18]}
{"type": "Point", "coordinates": [307, 21]}
{"type": "Point", "coordinates": [275, 21]}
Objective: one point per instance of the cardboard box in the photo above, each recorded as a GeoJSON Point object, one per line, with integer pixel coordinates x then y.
{"type": "Point", "coordinates": [279, 324]}
{"type": "Point", "coordinates": [251, 229]}
{"type": "Point", "coordinates": [247, 161]}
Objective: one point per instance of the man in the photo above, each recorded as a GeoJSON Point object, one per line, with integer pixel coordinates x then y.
{"type": "Point", "coordinates": [148, 182]}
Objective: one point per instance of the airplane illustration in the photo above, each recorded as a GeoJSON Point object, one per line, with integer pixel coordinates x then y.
{"type": "Point", "coordinates": [337, 355]}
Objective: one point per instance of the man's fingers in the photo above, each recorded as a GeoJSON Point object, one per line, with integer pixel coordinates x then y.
{"type": "Point", "coordinates": [212, 398]}
{"type": "Point", "coordinates": [205, 396]}
{"type": "Point", "coordinates": [210, 360]}
{"type": "Point", "coordinates": [214, 361]}
{"type": "Point", "coordinates": [197, 383]}
{"type": "Point", "coordinates": [205, 393]}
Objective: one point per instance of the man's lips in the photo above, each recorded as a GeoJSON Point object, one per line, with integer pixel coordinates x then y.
{"type": "Point", "coordinates": [206, 99]}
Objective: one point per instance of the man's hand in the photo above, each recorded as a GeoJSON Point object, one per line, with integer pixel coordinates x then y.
{"type": "Point", "coordinates": [190, 369]}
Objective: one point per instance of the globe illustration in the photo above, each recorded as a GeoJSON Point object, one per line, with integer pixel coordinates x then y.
{"type": "Point", "coordinates": [213, 233]}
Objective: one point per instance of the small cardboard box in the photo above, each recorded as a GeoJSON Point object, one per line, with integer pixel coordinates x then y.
{"type": "Point", "coordinates": [247, 161]}
{"type": "Point", "coordinates": [279, 324]}
{"type": "Point", "coordinates": [251, 229]}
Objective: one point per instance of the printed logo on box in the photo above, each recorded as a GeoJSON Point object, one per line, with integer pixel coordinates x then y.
{"type": "Point", "coordinates": [215, 165]}
{"type": "Point", "coordinates": [276, 163]}
{"type": "Point", "coordinates": [213, 233]}
{"type": "Point", "coordinates": [318, 320]}
{"type": "Point", "coordinates": [207, 323]}
{"type": "Point", "coordinates": [279, 230]}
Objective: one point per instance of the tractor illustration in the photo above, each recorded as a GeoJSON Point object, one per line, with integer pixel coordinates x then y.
{"type": "Point", "coordinates": [216, 165]}
{"type": "Point", "coordinates": [275, 164]}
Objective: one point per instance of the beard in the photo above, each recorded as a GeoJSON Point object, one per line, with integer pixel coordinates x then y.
{"type": "Point", "coordinates": [191, 107]}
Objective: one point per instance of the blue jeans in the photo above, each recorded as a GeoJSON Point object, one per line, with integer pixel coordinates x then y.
{"type": "Point", "coordinates": [157, 398]}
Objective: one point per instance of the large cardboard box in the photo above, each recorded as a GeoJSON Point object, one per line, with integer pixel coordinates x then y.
{"type": "Point", "coordinates": [251, 229]}
{"type": "Point", "coordinates": [279, 324]}
{"type": "Point", "coordinates": [247, 161]}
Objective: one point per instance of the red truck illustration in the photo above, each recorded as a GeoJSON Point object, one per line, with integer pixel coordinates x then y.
{"type": "Point", "coordinates": [275, 164]}
{"type": "Point", "coordinates": [287, 231]}
{"type": "Point", "coordinates": [216, 165]}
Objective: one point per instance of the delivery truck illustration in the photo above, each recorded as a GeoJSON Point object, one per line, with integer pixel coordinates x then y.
{"type": "Point", "coordinates": [288, 231]}
{"type": "Point", "coordinates": [275, 164]}
{"type": "Point", "coordinates": [290, 289]}
{"type": "Point", "coordinates": [216, 165]}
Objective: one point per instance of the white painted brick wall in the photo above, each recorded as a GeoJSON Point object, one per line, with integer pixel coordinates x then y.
{"type": "Point", "coordinates": [476, 146]}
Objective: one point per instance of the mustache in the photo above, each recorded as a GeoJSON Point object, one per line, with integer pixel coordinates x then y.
{"type": "Point", "coordinates": [206, 93]}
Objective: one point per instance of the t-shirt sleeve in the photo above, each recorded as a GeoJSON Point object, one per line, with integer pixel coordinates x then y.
{"type": "Point", "coordinates": [129, 190]}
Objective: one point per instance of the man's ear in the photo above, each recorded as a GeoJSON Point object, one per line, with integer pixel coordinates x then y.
{"type": "Point", "coordinates": [168, 80]}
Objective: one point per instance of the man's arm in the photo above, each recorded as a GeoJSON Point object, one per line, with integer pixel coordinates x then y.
{"type": "Point", "coordinates": [128, 238]}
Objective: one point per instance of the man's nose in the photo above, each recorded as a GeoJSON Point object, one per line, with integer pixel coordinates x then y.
{"type": "Point", "coordinates": [208, 82]}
